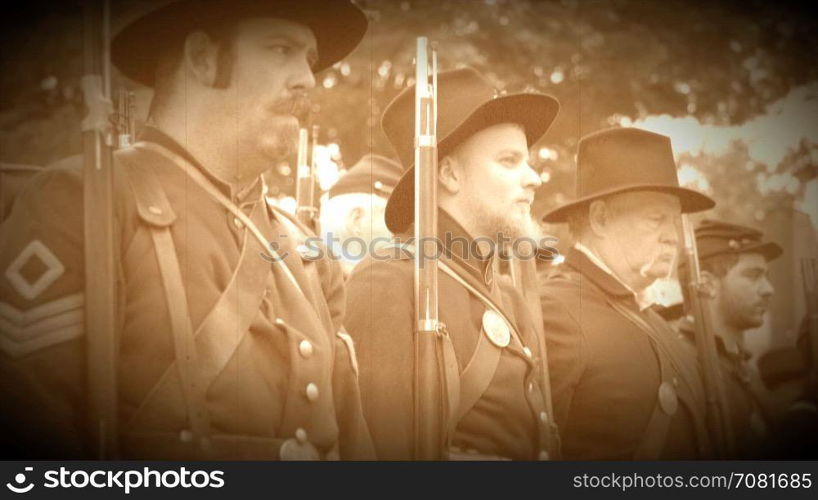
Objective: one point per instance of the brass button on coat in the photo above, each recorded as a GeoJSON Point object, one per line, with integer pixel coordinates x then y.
{"type": "Point", "coordinates": [668, 400]}
{"type": "Point", "coordinates": [291, 449]}
{"type": "Point", "coordinates": [305, 348]}
{"type": "Point", "coordinates": [312, 392]}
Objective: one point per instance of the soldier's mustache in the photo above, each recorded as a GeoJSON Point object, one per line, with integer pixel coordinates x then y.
{"type": "Point", "coordinates": [644, 270]}
{"type": "Point", "coordinates": [297, 106]}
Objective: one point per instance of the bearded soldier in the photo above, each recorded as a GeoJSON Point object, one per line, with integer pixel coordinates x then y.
{"type": "Point", "coordinates": [230, 345]}
{"type": "Point", "coordinates": [624, 385]}
{"type": "Point", "coordinates": [496, 388]}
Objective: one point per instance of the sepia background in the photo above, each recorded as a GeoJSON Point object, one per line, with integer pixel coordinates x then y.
{"type": "Point", "coordinates": [734, 84]}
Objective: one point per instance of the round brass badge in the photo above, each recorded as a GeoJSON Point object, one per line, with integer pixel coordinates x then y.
{"type": "Point", "coordinates": [496, 328]}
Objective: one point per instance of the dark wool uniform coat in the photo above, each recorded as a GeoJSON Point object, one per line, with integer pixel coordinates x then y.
{"type": "Point", "coordinates": [509, 419]}
{"type": "Point", "coordinates": [607, 371]}
{"type": "Point", "coordinates": [748, 423]}
{"type": "Point", "coordinates": [279, 375]}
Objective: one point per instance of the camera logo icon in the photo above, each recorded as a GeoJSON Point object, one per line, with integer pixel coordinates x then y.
{"type": "Point", "coordinates": [20, 478]}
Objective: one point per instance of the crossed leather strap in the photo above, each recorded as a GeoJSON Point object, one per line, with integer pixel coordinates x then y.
{"type": "Point", "coordinates": [201, 355]}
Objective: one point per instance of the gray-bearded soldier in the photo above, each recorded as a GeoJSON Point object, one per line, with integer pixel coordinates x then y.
{"type": "Point", "coordinates": [352, 215]}
{"type": "Point", "coordinates": [624, 386]}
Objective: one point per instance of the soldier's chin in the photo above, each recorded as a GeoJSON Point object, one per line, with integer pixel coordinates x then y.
{"type": "Point", "coordinates": [281, 143]}
{"type": "Point", "coordinates": [755, 321]}
{"type": "Point", "coordinates": [658, 270]}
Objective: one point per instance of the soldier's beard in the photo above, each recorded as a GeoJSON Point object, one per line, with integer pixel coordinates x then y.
{"type": "Point", "coordinates": [280, 140]}
{"type": "Point", "coordinates": [511, 226]}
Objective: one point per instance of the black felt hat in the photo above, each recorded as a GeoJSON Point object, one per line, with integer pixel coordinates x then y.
{"type": "Point", "coordinates": [338, 27]}
{"type": "Point", "coordinates": [626, 159]}
{"type": "Point", "coordinates": [467, 103]}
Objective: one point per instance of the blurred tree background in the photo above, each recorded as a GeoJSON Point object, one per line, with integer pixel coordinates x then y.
{"type": "Point", "coordinates": [609, 62]}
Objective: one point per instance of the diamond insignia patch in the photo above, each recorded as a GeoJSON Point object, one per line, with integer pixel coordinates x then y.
{"type": "Point", "coordinates": [53, 270]}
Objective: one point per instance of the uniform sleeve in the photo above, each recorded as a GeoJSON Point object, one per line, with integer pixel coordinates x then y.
{"type": "Point", "coordinates": [354, 437]}
{"type": "Point", "coordinates": [379, 320]}
{"type": "Point", "coordinates": [332, 282]}
{"type": "Point", "coordinates": [565, 351]}
{"type": "Point", "coordinates": [42, 314]}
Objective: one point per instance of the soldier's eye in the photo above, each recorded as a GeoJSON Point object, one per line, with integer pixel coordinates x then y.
{"type": "Point", "coordinates": [280, 48]}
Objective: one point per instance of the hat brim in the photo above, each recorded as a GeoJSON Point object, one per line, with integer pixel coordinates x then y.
{"type": "Point", "coordinates": [768, 249]}
{"type": "Point", "coordinates": [690, 200]}
{"type": "Point", "coordinates": [338, 28]}
{"type": "Point", "coordinates": [534, 112]}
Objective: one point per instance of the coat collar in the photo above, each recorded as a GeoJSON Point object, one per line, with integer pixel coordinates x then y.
{"type": "Point", "coordinates": [247, 195]}
{"type": "Point", "coordinates": [604, 277]}
{"type": "Point", "coordinates": [734, 352]}
{"type": "Point", "coordinates": [459, 246]}
{"type": "Point", "coordinates": [604, 280]}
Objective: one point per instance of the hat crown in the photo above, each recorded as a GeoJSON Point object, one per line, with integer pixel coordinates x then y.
{"type": "Point", "coordinates": [620, 160]}
{"type": "Point", "coordinates": [373, 174]}
{"type": "Point", "coordinates": [459, 93]}
{"type": "Point", "coordinates": [338, 27]}
{"type": "Point", "coordinates": [624, 157]}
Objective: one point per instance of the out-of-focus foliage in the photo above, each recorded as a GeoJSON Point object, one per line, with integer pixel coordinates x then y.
{"type": "Point", "coordinates": [722, 62]}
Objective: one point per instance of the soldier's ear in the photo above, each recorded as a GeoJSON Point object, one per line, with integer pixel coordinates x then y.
{"type": "Point", "coordinates": [449, 174]}
{"type": "Point", "coordinates": [353, 221]}
{"type": "Point", "coordinates": [711, 284]}
{"type": "Point", "coordinates": [598, 217]}
{"type": "Point", "coordinates": [200, 58]}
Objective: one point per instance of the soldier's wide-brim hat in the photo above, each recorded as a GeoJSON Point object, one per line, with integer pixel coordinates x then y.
{"type": "Point", "coordinates": [338, 27]}
{"type": "Point", "coordinates": [714, 237]}
{"type": "Point", "coordinates": [467, 103]}
{"type": "Point", "coordinates": [620, 160]}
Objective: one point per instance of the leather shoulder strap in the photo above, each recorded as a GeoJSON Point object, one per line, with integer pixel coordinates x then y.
{"type": "Point", "coordinates": [154, 208]}
{"type": "Point", "coordinates": [152, 204]}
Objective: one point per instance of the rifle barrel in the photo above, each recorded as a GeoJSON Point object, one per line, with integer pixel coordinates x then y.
{"type": "Point", "coordinates": [428, 380]}
{"type": "Point", "coordinates": [100, 289]}
{"type": "Point", "coordinates": [718, 413]}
